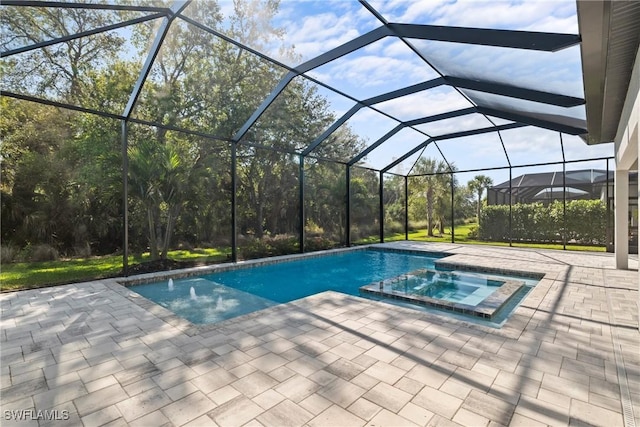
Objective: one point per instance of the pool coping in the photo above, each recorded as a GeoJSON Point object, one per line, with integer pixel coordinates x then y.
{"type": "Point", "coordinates": [486, 309]}
{"type": "Point", "coordinates": [122, 284]}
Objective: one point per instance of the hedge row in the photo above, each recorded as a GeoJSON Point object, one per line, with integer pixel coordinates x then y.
{"type": "Point", "coordinates": [585, 222]}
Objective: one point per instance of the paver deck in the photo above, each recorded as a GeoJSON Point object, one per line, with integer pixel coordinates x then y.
{"type": "Point", "coordinates": [96, 354]}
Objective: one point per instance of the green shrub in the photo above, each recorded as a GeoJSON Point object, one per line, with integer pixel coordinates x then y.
{"type": "Point", "coordinates": [43, 252]}
{"type": "Point", "coordinates": [281, 244]}
{"type": "Point", "coordinates": [8, 254]}
{"type": "Point", "coordinates": [318, 244]}
{"type": "Point", "coordinates": [533, 222]}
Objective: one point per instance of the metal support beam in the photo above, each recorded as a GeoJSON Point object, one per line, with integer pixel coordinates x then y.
{"type": "Point", "coordinates": [346, 116]}
{"type": "Point", "coordinates": [75, 5]}
{"type": "Point", "coordinates": [407, 155]}
{"type": "Point", "coordinates": [453, 196]}
{"type": "Point", "coordinates": [301, 201]}
{"type": "Point", "coordinates": [406, 207]}
{"type": "Point", "coordinates": [265, 104]}
{"type": "Point", "coordinates": [548, 42]}
{"type": "Point", "coordinates": [608, 232]}
{"type": "Point", "coordinates": [151, 57]}
{"type": "Point", "coordinates": [450, 136]}
{"type": "Point", "coordinates": [348, 206]}
{"type": "Point", "coordinates": [442, 116]}
{"type": "Point", "coordinates": [234, 203]}
{"type": "Point", "coordinates": [510, 208]}
{"type": "Point", "coordinates": [515, 92]}
{"type": "Point", "coordinates": [375, 145]}
{"type": "Point", "coordinates": [405, 91]}
{"type": "Point", "coordinates": [381, 216]}
{"type": "Point", "coordinates": [125, 198]}
{"type": "Point", "coordinates": [546, 124]}
{"type": "Point", "coordinates": [564, 196]}
{"type": "Point", "coordinates": [92, 32]}
{"type": "Point", "coordinates": [344, 49]}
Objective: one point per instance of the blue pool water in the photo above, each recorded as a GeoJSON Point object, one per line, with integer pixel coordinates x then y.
{"type": "Point", "coordinates": [224, 295]}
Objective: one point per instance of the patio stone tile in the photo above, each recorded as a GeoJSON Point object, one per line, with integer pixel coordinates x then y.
{"type": "Point", "coordinates": [341, 392]}
{"type": "Point", "coordinates": [542, 411]}
{"type": "Point", "coordinates": [286, 413]}
{"type": "Point", "coordinates": [235, 412]}
{"type": "Point", "coordinates": [521, 421]}
{"type": "Point", "coordinates": [268, 362]}
{"type": "Point", "coordinates": [437, 402]}
{"type": "Point", "coordinates": [468, 418]}
{"type": "Point", "coordinates": [594, 415]}
{"type": "Point", "coordinates": [156, 418]}
{"type": "Point", "coordinates": [385, 372]}
{"type": "Point", "coordinates": [181, 390]}
{"type": "Point", "coordinates": [100, 399]}
{"type": "Point", "coordinates": [336, 416]}
{"type": "Point", "coordinates": [139, 386]}
{"type": "Point", "coordinates": [574, 389]}
{"type": "Point", "coordinates": [365, 381]}
{"type": "Point", "coordinates": [388, 397]}
{"type": "Point", "coordinates": [143, 403]}
{"type": "Point", "coordinates": [101, 417]}
{"type": "Point", "coordinates": [383, 354]}
{"type": "Point", "coordinates": [344, 368]}
{"type": "Point", "coordinates": [254, 384]}
{"type": "Point", "coordinates": [223, 394]}
{"type": "Point", "coordinates": [430, 376]}
{"type": "Point", "coordinates": [459, 359]}
{"type": "Point", "coordinates": [188, 408]}
{"type": "Point", "coordinates": [232, 359]}
{"type": "Point", "coordinates": [24, 389]}
{"type": "Point", "coordinates": [329, 357]}
{"type": "Point", "coordinates": [387, 418]}
{"type": "Point", "coordinates": [409, 385]}
{"type": "Point", "coordinates": [364, 409]}
{"type": "Point", "coordinates": [517, 383]}
{"type": "Point", "coordinates": [59, 395]}
{"type": "Point", "coordinates": [347, 350]}
{"type": "Point", "coordinates": [58, 420]}
{"type": "Point", "coordinates": [173, 377]}
{"type": "Point", "coordinates": [268, 399]}
{"type": "Point", "coordinates": [279, 345]}
{"type": "Point", "coordinates": [558, 399]}
{"type": "Point", "coordinates": [243, 370]}
{"type": "Point", "coordinates": [416, 414]}
{"type": "Point", "coordinates": [490, 407]}
{"type": "Point", "coordinates": [297, 388]}
{"type": "Point", "coordinates": [213, 380]}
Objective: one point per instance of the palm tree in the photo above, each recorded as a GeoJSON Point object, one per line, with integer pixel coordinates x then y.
{"type": "Point", "coordinates": [435, 185]}
{"type": "Point", "coordinates": [477, 185]}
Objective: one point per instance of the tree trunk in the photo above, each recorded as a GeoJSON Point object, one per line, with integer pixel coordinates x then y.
{"type": "Point", "coordinates": [478, 209]}
{"type": "Point", "coordinates": [153, 241]}
{"type": "Point", "coordinates": [429, 211]}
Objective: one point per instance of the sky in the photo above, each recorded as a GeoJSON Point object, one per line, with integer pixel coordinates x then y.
{"type": "Point", "coordinates": [314, 27]}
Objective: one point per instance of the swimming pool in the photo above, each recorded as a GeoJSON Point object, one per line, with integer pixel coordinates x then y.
{"type": "Point", "coordinates": [223, 295]}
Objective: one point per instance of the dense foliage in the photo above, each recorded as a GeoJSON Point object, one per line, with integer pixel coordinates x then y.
{"type": "Point", "coordinates": [62, 170]}
{"type": "Point", "coordinates": [585, 222]}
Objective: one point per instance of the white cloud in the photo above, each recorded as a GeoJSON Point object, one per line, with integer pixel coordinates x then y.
{"type": "Point", "coordinates": [457, 124]}
{"type": "Point", "coordinates": [514, 15]}
{"type": "Point", "coordinates": [425, 103]}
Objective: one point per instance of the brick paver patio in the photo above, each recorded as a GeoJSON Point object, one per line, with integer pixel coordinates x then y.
{"type": "Point", "coordinates": [97, 354]}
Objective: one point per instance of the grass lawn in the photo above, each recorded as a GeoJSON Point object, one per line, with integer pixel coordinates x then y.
{"type": "Point", "coordinates": [25, 275]}
{"type": "Point", "coordinates": [462, 236]}
{"type": "Point", "coordinates": [37, 274]}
